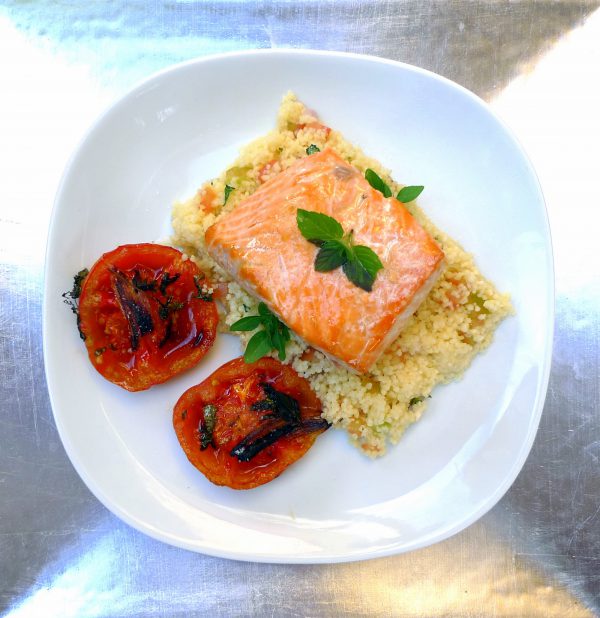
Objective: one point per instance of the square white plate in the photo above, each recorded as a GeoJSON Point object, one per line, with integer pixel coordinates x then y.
{"type": "Point", "coordinates": [183, 126]}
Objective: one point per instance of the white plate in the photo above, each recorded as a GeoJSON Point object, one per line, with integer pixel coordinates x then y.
{"type": "Point", "coordinates": [183, 126]}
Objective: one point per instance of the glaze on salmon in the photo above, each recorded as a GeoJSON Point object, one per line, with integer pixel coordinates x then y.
{"type": "Point", "coordinates": [260, 245]}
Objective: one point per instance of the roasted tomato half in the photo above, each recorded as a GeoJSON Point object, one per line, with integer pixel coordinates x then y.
{"type": "Point", "coordinates": [145, 316]}
{"type": "Point", "coordinates": [246, 423]}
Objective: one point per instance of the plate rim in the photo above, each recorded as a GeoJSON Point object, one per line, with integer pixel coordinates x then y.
{"type": "Point", "coordinates": [332, 557]}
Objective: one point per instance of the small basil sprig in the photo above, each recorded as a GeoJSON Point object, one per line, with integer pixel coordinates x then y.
{"type": "Point", "coordinates": [274, 335]}
{"type": "Point", "coordinates": [359, 263]}
{"type": "Point", "coordinates": [312, 149]}
{"type": "Point", "coordinates": [407, 194]}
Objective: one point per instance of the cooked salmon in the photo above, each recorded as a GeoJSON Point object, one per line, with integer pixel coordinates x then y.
{"type": "Point", "coordinates": [259, 244]}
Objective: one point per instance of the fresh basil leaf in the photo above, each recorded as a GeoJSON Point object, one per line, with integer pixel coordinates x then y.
{"type": "Point", "coordinates": [317, 226]}
{"type": "Point", "coordinates": [285, 332]}
{"type": "Point", "coordinates": [259, 345]}
{"type": "Point", "coordinates": [360, 263]}
{"type": "Point", "coordinates": [248, 323]}
{"type": "Point", "coordinates": [264, 310]}
{"type": "Point", "coordinates": [377, 183]}
{"type": "Point", "coordinates": [271, 324]}
{"type": "Point", "coordinates": [312, 149]}
{"type": "Point", "coordinates": [274, 335]}
{"type": "Point", "coordinates": [408, 194]}
{"type": "Point", "coordinates": [358, 274]}
{"type": "Point", "coordinates": [330, 256]}
{"type": "Point", "coordinates": [228, 190]}
{"type": "Point", "coordinates": [369, 259]}
{"type": "Point", "coordinates": [280, 335]}
{"type": "Point", "coordinates": [278, 343]}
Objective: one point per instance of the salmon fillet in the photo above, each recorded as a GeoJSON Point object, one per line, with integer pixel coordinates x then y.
{"type": "Point", "coordinates": [259, 244]}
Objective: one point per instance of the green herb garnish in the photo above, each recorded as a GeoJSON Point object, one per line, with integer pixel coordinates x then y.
{"type": "Point", "coordinates": [71, 298]}
{"type": "Point", "coordinates": [410, 193]}
{"type": "Point", "coordinates": [274, 336]}
{"type": "Point", "coordinates": [317, 227]}
{"type": "Point", "coordinates": [377, 183]}
{"type": "Point", "coordinates": [259, 345]}
{"type": "Point", "coordinates": [357, 272]}
{"type": "Point", "coordinates": [202, 295]}
{"type": "Point", "coordinates": [166, 282]}
{"type": "Point", "coordinates": [479, 301]}
{"type": "Point", "coordinates": [77, 281]}
{"type": "Point", "coordinates": [415, 400]}
{"type": "Point", "coordinates": [312, 149]}
{"type": "Point", "coordinates": [228, 190]}
{"type": "Point", "coordinates": [170, 306]}
{"type": "Point", "coordinates": [333, 253]}
{"type": "Point", "coordinates": [206, 427]}
{"type": "Point", "coordinates": [407, 194]}
{"type": "Point", "coordinates": [359, 263]}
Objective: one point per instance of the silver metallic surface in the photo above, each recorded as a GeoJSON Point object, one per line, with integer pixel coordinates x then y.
{"type": "Point", "coordinates": [537, 553]}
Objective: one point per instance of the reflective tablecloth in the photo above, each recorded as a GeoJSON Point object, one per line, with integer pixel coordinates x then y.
{"type": "Point", "coordinates": [537, 552]}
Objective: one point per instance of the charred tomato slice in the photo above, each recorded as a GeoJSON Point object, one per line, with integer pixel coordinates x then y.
{"type": "Point", "coordinates": [246, 423]}
{"type": "Point", "coordinates": [145, 316]}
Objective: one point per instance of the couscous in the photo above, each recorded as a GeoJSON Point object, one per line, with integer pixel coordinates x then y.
{"type": "Point", "coordinates": [454, 323]}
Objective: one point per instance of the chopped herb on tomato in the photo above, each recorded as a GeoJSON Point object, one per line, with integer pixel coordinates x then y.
{"type": "Point", "coordinates": [166, 281]}
{"type": "Point", "coordinates": [207, 425]}
{"type": "Point", "coordinates": [168, 307]}
{"type": "Point", "coordinates": [201, 288]}
{"type": "Point", "coordinates": [71, 297]}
